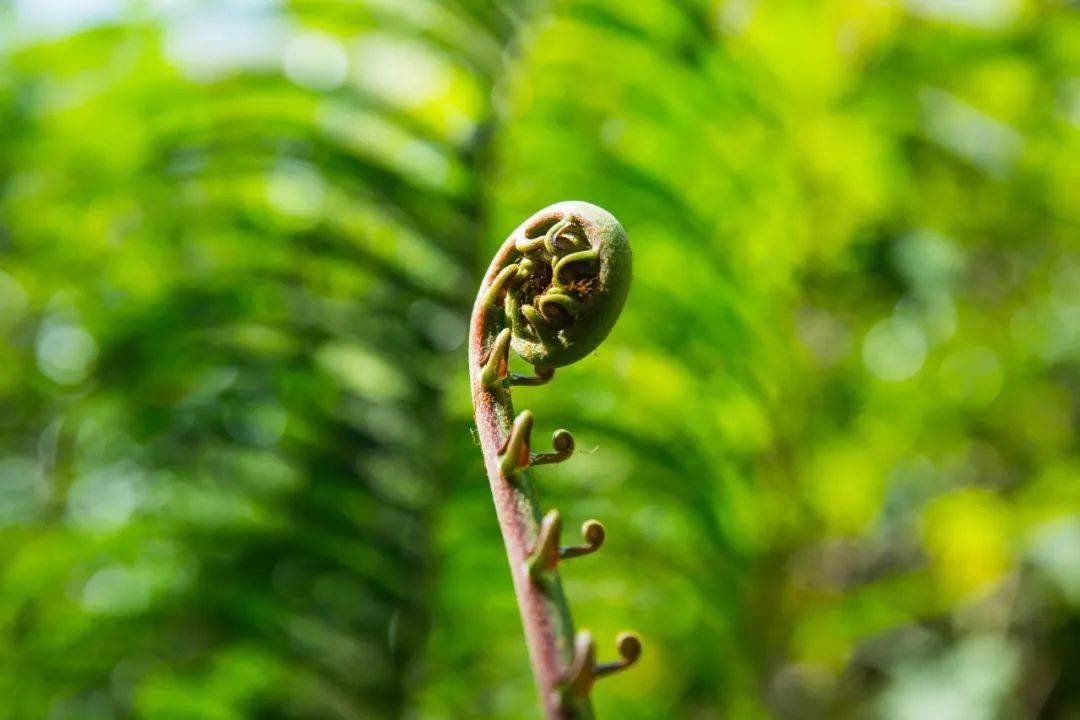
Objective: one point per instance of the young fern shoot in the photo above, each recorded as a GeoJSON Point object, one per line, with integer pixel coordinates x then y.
{"type": "Point", "coordinates": [552, 294]}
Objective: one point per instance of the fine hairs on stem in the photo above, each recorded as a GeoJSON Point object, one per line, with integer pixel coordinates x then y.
{"type": "Point", "coordinates": [551, 294]}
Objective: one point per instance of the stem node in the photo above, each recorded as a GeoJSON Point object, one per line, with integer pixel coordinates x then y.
{"type": "Point", "coordinates": [545, 554]}
{"type": "Point", "coordinates": [584, 671]}
{"type": "Point", "coordinates": [495, 367]}
{"type": "Point", "coordinates": [515, 456]}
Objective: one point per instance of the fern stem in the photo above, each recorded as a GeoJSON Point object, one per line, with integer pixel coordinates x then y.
{"type": "Point", "coordinates": [549, 630]}
{"type": "Point", "coordinates": [523, 303]}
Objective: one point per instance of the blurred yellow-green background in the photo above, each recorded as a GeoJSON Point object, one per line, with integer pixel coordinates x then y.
{"type": "Point", "coordinates": [833, 437]}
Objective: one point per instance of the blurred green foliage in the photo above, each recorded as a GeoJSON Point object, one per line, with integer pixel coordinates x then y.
{"type": "Point", "coordinates": [833, 437]}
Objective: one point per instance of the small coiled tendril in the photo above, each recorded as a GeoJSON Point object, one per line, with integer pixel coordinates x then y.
{"type": "Point", "coordinates": [584, 670]}
{"type": "Point", "coordinates": [552, 294]}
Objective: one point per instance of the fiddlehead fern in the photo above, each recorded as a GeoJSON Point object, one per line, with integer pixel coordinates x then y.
{"type": "Point", "coordinates": [552, 294]}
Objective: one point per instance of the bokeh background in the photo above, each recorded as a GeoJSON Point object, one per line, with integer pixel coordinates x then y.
{"type": "Point", "coordinates": [833, 437]}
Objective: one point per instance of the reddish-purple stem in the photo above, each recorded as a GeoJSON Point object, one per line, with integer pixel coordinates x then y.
{"type": "Point", "coordinates": [549, 630]}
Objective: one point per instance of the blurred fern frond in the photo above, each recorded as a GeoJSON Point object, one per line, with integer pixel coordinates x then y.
{"type": "Point", "coordinates": [233, 255]}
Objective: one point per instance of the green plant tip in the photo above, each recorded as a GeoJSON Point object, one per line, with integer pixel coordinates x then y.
{"type": "Point", "coordinates": [572, 281]}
